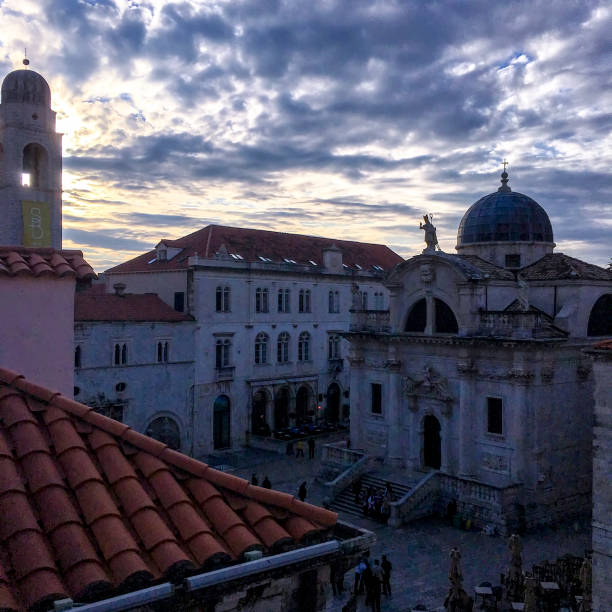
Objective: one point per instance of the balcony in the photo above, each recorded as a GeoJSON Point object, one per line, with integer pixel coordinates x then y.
{"type": "Point", "coordinates": [517, 325]}
{"type": "Point", "coordinates": [371, 321]}
{"type": "Point", "coordinates": [225, 373]}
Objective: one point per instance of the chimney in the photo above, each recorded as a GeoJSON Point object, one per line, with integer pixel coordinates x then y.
{"type": "Point", "coordinates": [119, 289]}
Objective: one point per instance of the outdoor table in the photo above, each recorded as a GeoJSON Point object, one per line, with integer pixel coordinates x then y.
{"type": "Point", "coordinates": [486, 593]}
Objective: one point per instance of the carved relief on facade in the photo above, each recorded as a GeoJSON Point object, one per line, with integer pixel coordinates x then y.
{"type": "Point", "coordinates": [520, 374]}
{"type": "Point", "coordinates": [496, 463]}
{"type": "Point", "coordinates": [467, 367]}
{"type": "Point", "coordinates": [375, 435]}
{"type": "Point", "coordinates": [429, 385]}
{"type": "Point", "coordinates": [428, 273]}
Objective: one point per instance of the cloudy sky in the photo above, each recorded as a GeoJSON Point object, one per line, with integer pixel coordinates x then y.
{"type": "Point", "coordinates": [342, 119]}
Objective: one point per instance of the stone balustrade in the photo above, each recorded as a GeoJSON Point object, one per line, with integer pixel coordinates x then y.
{"type": "Point", "coordinates": [375, 321]}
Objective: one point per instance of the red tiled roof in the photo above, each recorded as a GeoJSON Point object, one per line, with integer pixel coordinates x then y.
{"type": "Point", "coordinates": [558, 266]}
{"type": "Point", "coordinates": [129, 307]}
{"type": "Point", "coordinates": [250, 244]}
{"type": "Point", "coordinates": [26, 261]}
{"type": "Point", "coordinates": [91, 507]}
{"type": "Point", "coordinates": [604, 345]}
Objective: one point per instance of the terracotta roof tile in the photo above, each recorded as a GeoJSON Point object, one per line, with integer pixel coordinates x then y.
{"type": "Point", "coordinates": [558, 266]}
{"type": "Point", "coordinates": [38, 261]}
{"type": "Point", "coordinates": [604, 345]}
{"type": "Point", "coordinates": [250, 244]}
{"type": "Point", "coordinates": [94, 306]}
{"type": "Point", "coordinates": [91, 507]}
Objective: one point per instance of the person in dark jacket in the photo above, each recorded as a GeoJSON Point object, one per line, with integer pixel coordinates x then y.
{"type": "Point", "coordinates": [254, 480]}
{"type": "Point", "coordinates": [266, 484]}
{"type": "Point", "coordinates": [386, 568]}
{"type": "Point", "coordinates": [302, 491]}
{"type": "Point", "coordinates": [311, 448]}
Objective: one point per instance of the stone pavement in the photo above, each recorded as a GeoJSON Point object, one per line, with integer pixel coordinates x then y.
{"type": "Point", "coordinates": [419, 551]}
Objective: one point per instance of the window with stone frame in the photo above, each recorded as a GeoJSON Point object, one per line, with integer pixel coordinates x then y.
{"type": "Point", "coordinates": [282, 348]}
{"type": "Point", "coordinates": [261, 299]}
{"type": "Point", "coordinates": [284, 303]}
{"type": "Point", "coordinates": [222, 353]}
{"type": "Point", "coordinates": [334, 301]}
{"type": "Point", "coordinates": [261, 348]}
{"type": "Point", "coordinates": [376, 398]}
{"type": "Point", "coordinates": [77, 357]}
{"type": "Point", "coordinates": [363, 299]}
{"type": "Point", "coordinates": [378, 300]}
{"type": "Point", "coordinates": [120, 354]}
{"type": "Point", "coordinates": [222, 299]}
{"type": "Point", "coordinates": [333, 347]}
{"type": "Point", "coordinates": [304, 300]}
{"type": "Point", "coordinates": [304, 347]}
{"type": "Point", "coordinates": [495, 416]}
{"type": "Point", "coordinates": [162, 351]}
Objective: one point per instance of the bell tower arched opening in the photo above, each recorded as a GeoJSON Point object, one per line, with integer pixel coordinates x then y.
{"type": "Point", "coordinates": [35, 166]}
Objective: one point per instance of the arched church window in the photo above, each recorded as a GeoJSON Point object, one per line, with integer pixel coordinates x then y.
{"type": "Point", "coordinates": [444, 318]}
{"type": "Point", "coordinates": [417, 317]}
{"type": "Point", "coordinates": [34, 173]}
{"type": "Point", "coordinates": [282, 348]}
{"type": "Point", "coordinates": [165, 430]}
{"type": "Point", "coordinates": [304, 347]}
{"type": "Point", "coordinates": [600, 319]}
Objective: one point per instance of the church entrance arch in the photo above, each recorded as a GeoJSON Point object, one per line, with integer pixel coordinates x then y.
{"type": "Point", "coordinates": [259, 424]}
{"type": "Point", "coordinates": [302, 403]}
{"type": "Point", "coordinates": [221, 422]}
{"type": "Point", "coordinates": [333, 403]}
{"type": "Point", "coordinates": [432, 447]}
{"type": "Point", "coordinates": [281, 408]}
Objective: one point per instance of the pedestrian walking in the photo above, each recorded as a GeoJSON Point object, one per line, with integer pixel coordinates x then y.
{"type": "Point", "coordinates": [299, 449]}
{"type": "Point", "coordinates": [358, 571]}
{"type": "Point", "coordinates": [366, 581]}
{"type": "Point", "coordinates": [266, 484]}
{"type": "Point", "coordinates": [302, 491]}
{"type": "Point", "coordinates": [254, 480]}
{"type": "Point", "coordinates": [311, 448]}
{"type": "Point", "coordinates": [376, 581]}
{"type": "Point", "coordinates": [386, 568]}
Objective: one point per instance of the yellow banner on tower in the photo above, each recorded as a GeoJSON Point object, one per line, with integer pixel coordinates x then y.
{"type": "Point", "coordinates": [36, 223]}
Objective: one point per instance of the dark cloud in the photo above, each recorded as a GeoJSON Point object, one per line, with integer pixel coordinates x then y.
{"type": "Point", "coordinates": [105, 239]}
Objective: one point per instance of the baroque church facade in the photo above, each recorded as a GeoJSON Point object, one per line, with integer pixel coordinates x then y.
{"type": "Point", "coordinates": [476, 371]}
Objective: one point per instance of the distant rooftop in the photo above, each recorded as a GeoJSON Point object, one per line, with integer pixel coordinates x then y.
{"type": "Point", "coordinates": [254, 245]}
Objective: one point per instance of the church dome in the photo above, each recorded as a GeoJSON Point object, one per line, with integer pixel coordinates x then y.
{"type": "Point", "coordinates": [504, 216]}
{"type": "Point", "coordinates": [26, 86]}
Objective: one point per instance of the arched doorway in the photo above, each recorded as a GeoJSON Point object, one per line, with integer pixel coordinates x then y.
{"type": "Point", "coordinates": [165, 430]}
{"type": "Point", "coordinates": [600, 319]}
{"type": "Point", "coordinates": [281, 408]}
{"type": "Point", "coordinates": [221, 422]}
{"type": "Point", "coordinates": [258, 414]}
{"type": "Point", "coordinates": [432, 449]}
{"type": "Point", "coordinates": [302, 403]}
{"type": "Point", "coordinates": [333, 403]}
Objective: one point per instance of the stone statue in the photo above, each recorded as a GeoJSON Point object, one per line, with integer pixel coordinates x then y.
{"type": "Point", "coordinates": [431, 240]}
{"type": "Point", "coordinates": [457, 599]}
{"type": "Point", "coordinates": [355, 301]}
{"type": "Point", "coordinates": [523, 293]}
{"type": "Point", "coordinates": [514, 578]}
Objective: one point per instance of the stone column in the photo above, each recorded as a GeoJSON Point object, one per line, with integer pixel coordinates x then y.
{"type": "Point", "coordinates": [429, 326]}
{"type": "Point", "coordinates": [467, 417]}
{"type": "Point", "coordinates": [394, 431]}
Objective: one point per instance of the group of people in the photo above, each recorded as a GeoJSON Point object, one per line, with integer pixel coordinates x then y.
{"type": "Point", "coordinates": [299, 448]}
{"type": "Point", "coordinates": [374, 503]}
{"type": "Point", "coordinates": [373, 580]}
{"type": "Point", "coordinates": [265, 483]}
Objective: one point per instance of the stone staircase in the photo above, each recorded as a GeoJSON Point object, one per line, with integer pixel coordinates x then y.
{"type": "Point", "coordinates": [345, 501]}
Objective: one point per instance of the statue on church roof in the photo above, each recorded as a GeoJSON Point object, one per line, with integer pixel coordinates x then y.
{"type": "Point", "coordinates": [431, 239]}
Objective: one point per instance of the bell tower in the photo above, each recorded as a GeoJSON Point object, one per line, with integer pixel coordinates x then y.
{"type": "Point", "coordinates": [30, 163]}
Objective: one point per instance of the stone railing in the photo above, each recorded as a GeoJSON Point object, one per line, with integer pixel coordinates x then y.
{"type": "Point", "coordinates": [345, 479]}
{"type": "Point", "coordinates": [420, 501]}
{"type": "Point", "coordinates": [344, 464]}
{"type": "Point", "coordinates": [370, 321]}
{"type": "Point", "coordinates": [483, 504]}
{"type": "Point", "coordinates": [510, 324]}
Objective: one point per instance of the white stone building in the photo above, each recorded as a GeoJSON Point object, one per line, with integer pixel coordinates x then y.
{"type": "Point", "coordinates": [270, 309]}
{"type": "Point", "coordinates": [134, 362]}
{"type": "Point", "coordinates": [477, 372]}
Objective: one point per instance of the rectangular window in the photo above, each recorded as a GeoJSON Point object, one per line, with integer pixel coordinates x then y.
{"type": "Point", "coordinates": [112, 411]}
{"type": "Point", "coordinates": [179, 301]}
{"type": "Point", "coordinates": [494, 415]}
{"type": "Point", "coordinates": [283, 300]}
{"type": "Point", "coordinates": [376, 392]}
